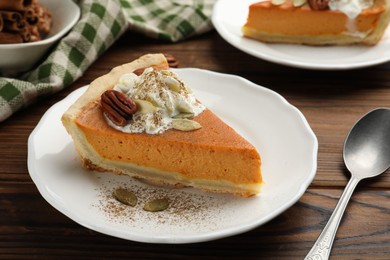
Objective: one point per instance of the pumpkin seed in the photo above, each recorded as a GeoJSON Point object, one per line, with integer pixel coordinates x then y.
{"type": "Point", "coordinates": [166, 72]}
{"type": "Point", "coordinates": [173, 84]}
{"type": "Point", "coordinates": [144, 106]}
{"type": "Point", "coordinates": [155, 205]}
{"type": "Point", "coordinates": [298, 3]}
{"type": "Point", "coordinates": [184, 124]}
{"type": "Point", "coordinates": [184, 115]}
{"type": "Point", "coordinates": [125, 196]}
{"type": "Point", "coordinates": [278, 2]}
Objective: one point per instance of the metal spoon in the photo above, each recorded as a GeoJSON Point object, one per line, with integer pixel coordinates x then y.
{"type": "Point", "coordinates": [366, 154]}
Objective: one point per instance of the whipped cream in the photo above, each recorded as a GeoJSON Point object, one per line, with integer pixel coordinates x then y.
{"type": "Point", "coordinates": [160, 96]}
{"type": "Point", "coordinates": [351, 8]}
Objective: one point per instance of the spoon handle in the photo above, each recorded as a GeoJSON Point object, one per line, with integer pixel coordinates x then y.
{"type": "Point", "coordinates": [323, 245]}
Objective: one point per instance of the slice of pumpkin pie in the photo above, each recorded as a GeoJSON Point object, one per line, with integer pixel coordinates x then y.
{"type": "Point", "coordinates": [143, 121]}
{"type": "Point", "coordinates": [318, 22]}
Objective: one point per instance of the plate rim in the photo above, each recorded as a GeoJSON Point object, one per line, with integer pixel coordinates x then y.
{"type": "Point", "coordinates": [226, 35]}
{"type": "Point", "coordinates": [203, 237]}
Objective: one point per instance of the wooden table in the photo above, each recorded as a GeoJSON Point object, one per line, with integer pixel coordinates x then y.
{"type": "Point", "coordinates": [330, 100]}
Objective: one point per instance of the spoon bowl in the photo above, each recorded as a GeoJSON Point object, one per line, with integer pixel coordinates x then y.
{"type": "Point", "coordinates": [366, 154]}
{"type": "Point", "coordinates": [367, 146]}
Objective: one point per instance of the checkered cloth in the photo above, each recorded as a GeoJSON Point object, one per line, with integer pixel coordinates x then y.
{"type": "Point", "coordinates": [102, 22]}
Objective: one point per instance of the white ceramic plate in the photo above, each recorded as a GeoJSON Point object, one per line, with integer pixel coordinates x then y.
{"type": "Point", "coordinates": [230, 15]}
{"type": "Point", "coordinates": [278, 130]}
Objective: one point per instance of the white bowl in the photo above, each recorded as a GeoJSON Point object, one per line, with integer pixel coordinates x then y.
{"type": "Point", "coordinates": [21, 57]}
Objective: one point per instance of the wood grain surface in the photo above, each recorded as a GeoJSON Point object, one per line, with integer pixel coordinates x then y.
{"type": "Point", "coordinates": [330, 100]}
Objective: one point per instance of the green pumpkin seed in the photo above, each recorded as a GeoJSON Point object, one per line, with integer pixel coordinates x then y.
{"type": "Point", "coordinates": [155, 205]}
{"type": "Point", "coordinates": [183, 124]}
{"type": "Point", "coordinates": [125, 196]}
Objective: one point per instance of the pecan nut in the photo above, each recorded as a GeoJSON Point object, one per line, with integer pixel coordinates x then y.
{"type": "Point", "coordinates": [117, 106]}
{"type": "Point", "coordinates": [319, 5]}
{"type": "Point", "coordinates": [172, 62]}
{"type": "Point", "coordinates": [139, 71]}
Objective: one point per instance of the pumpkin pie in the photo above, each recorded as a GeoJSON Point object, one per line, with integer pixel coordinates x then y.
{"type": "Point", "coordinates": [318, 22]}
{"type": "Point", "coordinates": [211, 156]}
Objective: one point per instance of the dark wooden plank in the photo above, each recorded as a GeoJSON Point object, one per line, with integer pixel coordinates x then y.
{"type": "Point", "coordinates": [31, 227]}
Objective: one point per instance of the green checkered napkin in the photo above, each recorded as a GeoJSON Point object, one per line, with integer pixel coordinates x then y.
{"type": "Point", "coordinates": [102, 22]}
{"type": "Point", "coordinates": [169, 19]}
